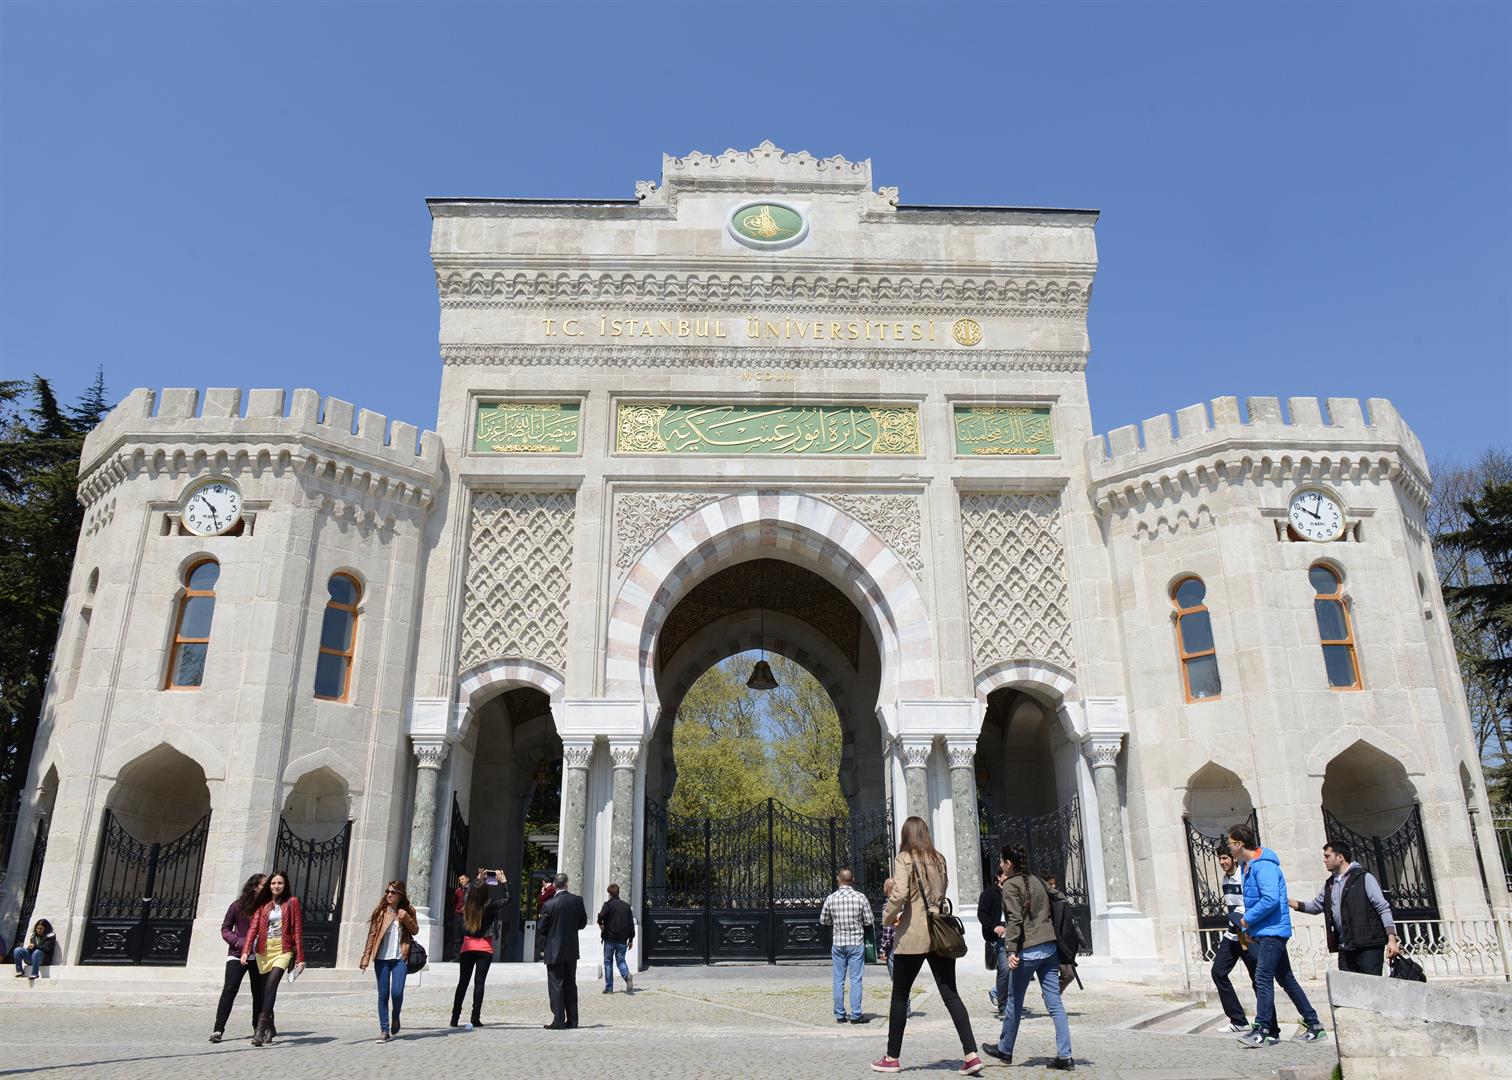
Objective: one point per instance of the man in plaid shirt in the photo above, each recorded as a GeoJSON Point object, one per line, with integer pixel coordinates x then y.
{"type": "Point", "coordinates": [849, 914]}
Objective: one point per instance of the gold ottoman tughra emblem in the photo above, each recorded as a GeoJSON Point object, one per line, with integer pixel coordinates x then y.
{"type": "Point", "coordinates": [762, 223]}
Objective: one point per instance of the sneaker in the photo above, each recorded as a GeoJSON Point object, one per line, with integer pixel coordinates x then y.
{"type": "Point", "coordinates": [1234, 1029]}
{"type": "Point", "coordinates": [608, 989]}
{"type": "Point", "coordinates": [887, 1064]}
{"type": "Point", "coordinates": [383, 1036]}
{"type": "Point", "coordinates": [862, 1019]}
{"type": "Point", "coordinates": [992, 997]}
{"type": "Point", "coordinates": [1309, 1034]}
{"type": "Point", "coordinates": [215, 1036]}
{"type": "Point", "coordinates": [972, 1066]}
{"type": "Point", "coordinates": [629, 984]}
{"type": "Point", "coordinates": [841, 1020]}
{"type": "Point", "coordinates": [1254, 1039]}
{"type": "Point", "coordinates": [998, 1017]}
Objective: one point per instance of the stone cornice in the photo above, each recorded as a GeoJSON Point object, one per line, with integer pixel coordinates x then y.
{"type": "Point", "coordinates": [671, 356]}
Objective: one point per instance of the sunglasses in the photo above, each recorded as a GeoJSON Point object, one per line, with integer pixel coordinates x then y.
{"type": "Point", "coordinates": [390, 892]}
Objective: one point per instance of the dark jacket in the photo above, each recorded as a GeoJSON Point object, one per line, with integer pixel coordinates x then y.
{"type": "Point", "coordinates": [498, 903]}
{"type": "Point", "coordinates": [293, 930]}
{"type": "Point", "coordinates": [234, 929]}
{"type": "Point", "coordinates": [561, 919]}
{"type": "Point", "coordinates": [1361, 925]}
{"type": "Point", "coordinates": [616, 921]}
{"type": "Point", "coordinates": [47, 944]}
{"type": "Point", "coordinates": [990, 910]}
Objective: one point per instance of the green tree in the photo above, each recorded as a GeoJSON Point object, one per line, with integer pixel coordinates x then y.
{"type": "Point", "coordinates": [806, 741]}
{"type": "Point", "coordinates": [722, 761]}
{"type": "Point", "coordinates": [40, 517]}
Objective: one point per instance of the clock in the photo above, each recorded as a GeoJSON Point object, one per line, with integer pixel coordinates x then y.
{"type": "Point", "coordinates": [211, 508]}
{"type": "Point", "coordinates": [1316, 515]}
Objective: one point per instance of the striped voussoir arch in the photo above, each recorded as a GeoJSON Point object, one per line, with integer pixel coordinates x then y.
{"type": "Point", "coordinates": [1027, 675]}
{"type": "Point", "coordinates": [757, 523]}
{"type": "Point", "coordinates": [491, 677]}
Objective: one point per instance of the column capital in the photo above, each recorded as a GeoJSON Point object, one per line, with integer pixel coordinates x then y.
{"type": "Point", "coordinates": [624, 752]}
{"type": "Point", "coordinates": [915, 752]}
{"type": "Point", "coordinates": [577, 753]}
{"type": "Point", "coordinates": [430, 750]}
{"type": "Point", "coordinates": [961, 752]}
{"type": "Point", "coordinates": [1101, 749]}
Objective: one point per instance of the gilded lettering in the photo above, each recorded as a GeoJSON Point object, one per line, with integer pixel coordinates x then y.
{"type": "Point", "coordinates": [601, 325]}
{"type": "Point", "coordinates": [571, 329]}
{"type": "Point", "coordinates": [897, 331]}
{"type": "Point", "coordinates": [801, 327]}
{"type": "Point", "coordinates": [549, 331]}
{"type": "Point", "coordinates": [663, 327]}
{"type": "Point", "coordinates": [684, 328]}
{"type": "Point", "coordinates": [616, 327]}
{"type": "Point", "coordinates": [701, 327]}
{"type": "Point", "coordinates": [630, 327]}
{"type": "Point", "coordinates": [834, 331]}
{"type": "Point", "coordinates": [916, 332]}
{"type": "Point", "coordinates": [818, 331]}
{"type": "Point", "coordinates": [853, 330]}
{"type": "Point", "coordinates": [719, 328]}
{"type": "Point", "coordinates": [645, 330]}
{"type": "Point", "coordinates": [753, 327]}
{"type": "Point", "coordinates": [772, 331]}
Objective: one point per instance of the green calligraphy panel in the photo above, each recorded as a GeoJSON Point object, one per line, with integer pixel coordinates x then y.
{"type": "Point", "coordinates": [810, 430]}
{"type": "Point", "coordinates": [1015, 430]}
{"type": "Point", "coordinates": [527, 427]}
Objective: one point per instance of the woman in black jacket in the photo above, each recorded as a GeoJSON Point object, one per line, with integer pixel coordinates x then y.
{"type": "Point", "coordinates": [234, 933]}
{"type": "Point", "coordinates": [481, 910]}
{"type": "Point", "coordinates": [37, 951]}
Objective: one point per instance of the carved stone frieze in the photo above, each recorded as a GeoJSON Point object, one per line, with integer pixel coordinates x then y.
{"type": "Point", "coordinates": [916, 754]}
{"type": "Point", "coordinates": [519, 572]}
{"type": "Point", "coordinates": [893, 517]}
{"type": "Point", "coordinates": [1016, 578]}
{"type": "Point", "coordinates": [762, 356]}
{"type": "Point", "coordinates": [577, 755]}
{"type": "Point", "coordinates": [641, 516]}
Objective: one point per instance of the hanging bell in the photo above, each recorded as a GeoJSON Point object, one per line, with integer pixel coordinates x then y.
{"type": "Point", "coordinates": [762, 677]}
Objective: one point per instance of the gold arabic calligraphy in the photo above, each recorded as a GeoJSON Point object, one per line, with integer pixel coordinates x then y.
{"type": "Point", "coordinates": [527, 428]}
{"type": "Point", "coordinates": [750, 429]}
{"type": "Point", "coordinates": [1014, 429]}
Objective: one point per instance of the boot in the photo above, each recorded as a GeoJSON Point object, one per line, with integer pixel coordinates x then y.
{"type": "Point", "coordinates": [272, 1031]}
{"type": "Point", "coordinates": [260, 1036]}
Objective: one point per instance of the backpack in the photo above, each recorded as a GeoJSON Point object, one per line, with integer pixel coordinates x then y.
{"type": "Point", "coordinates": [1407, 969]}
{"type": "Point", "coordinates": [1068, 939]}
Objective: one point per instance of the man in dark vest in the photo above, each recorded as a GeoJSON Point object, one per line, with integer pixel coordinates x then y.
{"type": "Point", "coordinates": [559, 922]}
{"type": "Point", "coordinates": [1355, 913]}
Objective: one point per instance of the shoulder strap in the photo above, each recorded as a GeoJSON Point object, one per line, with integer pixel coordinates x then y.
{"type": "Point", "coordinates": [913, 868]}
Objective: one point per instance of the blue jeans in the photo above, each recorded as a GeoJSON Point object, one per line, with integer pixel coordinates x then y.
{"type": "Point", "coordinates": [847, 960]}
{"type": "Point", "coordinates": [391, 976]}
{"type": "Point", "coordinates": [1042, 962]}
{"type": "Point", "coordinates": [1273, 966]}
{"type": "Point", "coordinates": [614, 954]}
{"type": "Point", "coordinates": [22, 954]}
{"type": "Point", "coordinates": [1004, 975]}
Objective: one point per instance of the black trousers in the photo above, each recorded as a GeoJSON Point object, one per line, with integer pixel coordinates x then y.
{"type": "Point", "coordinates": [473, 965]}
{"type": "Point", "coordinates": [270, 987]}
{"type": "Point", "coordinates": [561, 985]}
{"type": "Point", "coordinates": [234, 972]}
{"type": "Point", "coordinates": [1367, 961]}
{"type": "Point", "coordinates": [906, 968]}
{"type": "Point", "coordinates": [1229, 953]}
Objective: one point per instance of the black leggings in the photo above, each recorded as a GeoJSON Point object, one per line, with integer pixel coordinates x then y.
{"type": "Point", "coordinates": [471, 965]}
{"type": "Point", "coordinates": [906, 968]}
{"type": "Point", "coordinates": [270, 988]}
{"type": "Point", "coordinates": [235, 969]}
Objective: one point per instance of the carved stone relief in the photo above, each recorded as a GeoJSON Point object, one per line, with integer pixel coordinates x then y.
{"type": "Point", "coordinates": [893, 517]}
{"type": "Point", "coordinates": [641, 516]}
{"type": "Point", "coordinates": [518, 575]}
{"type": "Point", "coordinates": [1016, 579]}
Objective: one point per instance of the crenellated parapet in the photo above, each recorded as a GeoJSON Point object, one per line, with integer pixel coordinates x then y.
{"type": "Point", "coordinates": [360, 450]}
{"type": "Point", "coordinates": [1144, 465]}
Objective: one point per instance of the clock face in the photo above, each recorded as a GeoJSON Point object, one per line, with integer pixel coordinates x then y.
{"type": "Point", "coordinates": [212, 508]}
{"type": "Point", "coordinates": [1316, 515]}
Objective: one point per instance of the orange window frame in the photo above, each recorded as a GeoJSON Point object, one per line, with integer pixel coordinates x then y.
{"type": "Point", "coordinates": [349, 654]}
{"type": "Point", "coordinates": [178, 626]}
{"type": "Point", "coordinates": [1348, 640]}
{"type": "Point", "coordinates": [1182, 613]}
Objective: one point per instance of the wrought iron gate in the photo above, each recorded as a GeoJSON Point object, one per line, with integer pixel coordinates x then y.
{"type": "Point", "coordinates": [317, 875]}
{"type": "Point", "coordinates": [1054, 845]}
{"type": "Point", "coordinates": [456, 863]}
{"type": "Point", "coordinates": [33, 882]}
{"type": "Point", "coordinates": [144, 896]}
{"type": "Point", "coordinates": [1399, 862]}
{"type": "Point", "coordinates": [1203, 849]}
{"type": "Point", "coordinates": [749, 887]}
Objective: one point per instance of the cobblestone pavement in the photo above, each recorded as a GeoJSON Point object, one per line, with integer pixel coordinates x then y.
{"type": "Point", "coordinates": [726, 1022]}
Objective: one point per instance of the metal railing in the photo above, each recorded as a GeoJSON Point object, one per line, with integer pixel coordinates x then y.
{"type": "Point", "coordinates": [1503, 824]}
{"type": "Point", "coordinates": [1446, 948]}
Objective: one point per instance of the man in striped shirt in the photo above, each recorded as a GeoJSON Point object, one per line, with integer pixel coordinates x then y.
{"type": "Point", "coordinates": [848, 913]}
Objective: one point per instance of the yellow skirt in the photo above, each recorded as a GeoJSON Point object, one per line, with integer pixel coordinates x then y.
{"type": "Point", "coordinates": [273, 955]}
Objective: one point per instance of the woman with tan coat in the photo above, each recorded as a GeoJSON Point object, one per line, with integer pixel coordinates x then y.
{"type": "Point", "coordinates": [920, 878]}
{"type": "Point", "coordinates": [391, 931]}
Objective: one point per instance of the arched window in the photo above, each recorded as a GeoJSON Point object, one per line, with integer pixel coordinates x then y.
{"type": "Point", "coordinates": [338, 636]}
{"type": "Point", "coordinates": [1334, 631]}
{"type": "Point", "coordinates": [191, 631]}
{"type": "Point", "coordinates": [1194, 641]}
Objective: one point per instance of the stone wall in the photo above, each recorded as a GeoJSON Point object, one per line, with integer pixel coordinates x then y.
{"type": "Point", "coordinates": [1389, 1029]}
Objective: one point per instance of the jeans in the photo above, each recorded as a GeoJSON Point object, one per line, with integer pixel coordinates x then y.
{"type": "Point", "coordinates": [22, 954]}
{"type": "Point", "coordinates": [1367, 961]}
{"type": "Point", "coordinates": [1042, 962]}
{"type": "Point", "coordinates": [847, 960]}
{"type": "Point", "coordinates": [1229, 953]}
{"type": "Point", "coordinates": [235, 971]}
{"type": "Point", "coordinates": [906, 969]}
{"type": "Point", "coordinates": [614, 955]}
{"type": "Point", "coordinates": [391, 976]}
{"type": "Point", "coordinates": [1004, 974]}
{"type": "Point", "coordinates": [1273, 966]}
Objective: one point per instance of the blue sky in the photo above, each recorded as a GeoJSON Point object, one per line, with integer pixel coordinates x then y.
{"type": "Point", "coordinates": [1297, 199]}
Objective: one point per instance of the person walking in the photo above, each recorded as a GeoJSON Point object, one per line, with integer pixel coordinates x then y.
{"type": "Point", "coordinates": [487, 899]}
{"type": "Point", "coordinates": [37, 951]}
{"type": "Point", "coordinates": [1267, 921]}
{"type": "Point", "coordinates": [989, 918]}
{"type": "Point", "coordinates": [559, 923]}
{"type": "Point", "coordinates": [391, 928]}
{"type": "Point", "coordinates": [1356, 916]}
{"type": "Point", "coordinates": [1231, 950]}
{"type": "Point", "coordinates": [1029, 941]}
{"type": "Point", "coordinates": [454, 924]}
{"type": "Point", "coordinates": [616, 924]}
{"type": "Point", "coordinates": [275, 936]}
{"type": "Point", "coordinates": [848, 914]}
{"type": "Point", "coordinates": [921, 880]}
{"type": "Point", "coordinates": [886, 942]}
{"type": "Point", "coordinates": [234, 932]}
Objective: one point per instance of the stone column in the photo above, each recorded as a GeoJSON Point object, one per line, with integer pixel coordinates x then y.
{"type": "Point", "coordinates": [1102, 755]}
{"type": "Point", "coordinates": [622, 841]}
{"type": "Point", "coordinates": [915, 776]}
{"type": "Point", "coordinates": [576, 755]}
{"type": "Point", "coordinates": [968, 836]}
{"type": "Point", "coordinates": [430, 752]}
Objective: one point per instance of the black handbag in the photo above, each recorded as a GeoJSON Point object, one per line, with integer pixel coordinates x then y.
{"type": "Point", "coordinates": [1407, 969]}
{"type": "Point", "coordinates": [416, 958]}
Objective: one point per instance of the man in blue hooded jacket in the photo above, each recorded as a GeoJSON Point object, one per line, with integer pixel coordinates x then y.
{"type": "Point", "coordinates": [1267, 922]}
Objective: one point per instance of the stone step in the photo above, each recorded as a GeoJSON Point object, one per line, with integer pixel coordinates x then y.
{"type": "Point", "coordinates": [1190, 1022]}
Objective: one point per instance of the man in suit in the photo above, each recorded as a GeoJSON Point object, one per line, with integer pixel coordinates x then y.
{"type": "Point", "coordinates": [560, 920]}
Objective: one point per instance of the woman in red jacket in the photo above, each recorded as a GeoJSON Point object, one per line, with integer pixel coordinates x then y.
{"type": "Point", "coordinates": [276, 938]}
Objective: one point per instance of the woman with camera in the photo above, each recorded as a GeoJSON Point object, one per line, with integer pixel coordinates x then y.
{"type": "Point", "coordinates": [486, 900]}
{"type": "Point", "coordinates": [920, 878]}
{"type": "Point", "coordinates": [391, 930]}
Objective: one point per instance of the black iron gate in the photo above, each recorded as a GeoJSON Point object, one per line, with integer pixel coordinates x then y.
{"type": "Point", "coordinates": [1399, 862]}
{"type": "Point", "coordinates": [317, 875]}
{"type": "Point", "coordinates": [1203, 848]}
{"type": "Point", "coordinates": [33, 882]}
{"type": "Point", "coordinates": [1054, 845]}
{"type": "Point", "coordinates": [749, 887]}
{"type": "Point", "coordinates": [456, 863]}
{"type": "Point", "coordinates": [144, 896]}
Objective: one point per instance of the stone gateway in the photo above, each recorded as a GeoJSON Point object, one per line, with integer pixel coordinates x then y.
{"type": "Point", "coordinates": [762, 404]}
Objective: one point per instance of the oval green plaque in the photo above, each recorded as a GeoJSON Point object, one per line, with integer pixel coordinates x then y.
{"type": "Point", "coordinates": [768, 225]}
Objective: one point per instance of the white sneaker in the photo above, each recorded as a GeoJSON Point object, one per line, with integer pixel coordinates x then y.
{"type": "Point", "coordinates": [1234, 1029]}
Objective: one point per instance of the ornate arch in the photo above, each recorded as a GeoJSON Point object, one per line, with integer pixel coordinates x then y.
{"type": "Point", "coordinates": [1341, 739]}
{"type": "Point", "coordinates": [1038, 677]}
{"type": "Point", "coordinates": [324, 758]}
{"type": "Point", "coordinates": [492, 677]}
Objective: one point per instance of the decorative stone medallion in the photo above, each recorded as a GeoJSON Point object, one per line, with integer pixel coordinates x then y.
{"type": "Point", "coordinates": [768, 226]}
